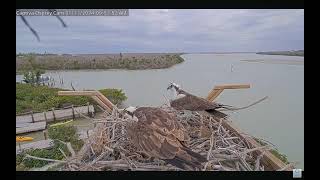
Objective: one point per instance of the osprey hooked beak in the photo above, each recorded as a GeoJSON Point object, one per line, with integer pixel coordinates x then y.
{"type": "Point", "coordinates": [173, 85]}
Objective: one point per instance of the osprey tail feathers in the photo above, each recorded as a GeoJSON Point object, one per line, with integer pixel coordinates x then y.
{"type": "Point", "coordinates": [232, 108]}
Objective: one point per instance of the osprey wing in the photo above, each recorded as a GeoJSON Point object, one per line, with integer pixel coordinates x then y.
{"type": "Point", "coordinates": [159, 134]}
{"type": "Point", "coordinates": [193, 103]}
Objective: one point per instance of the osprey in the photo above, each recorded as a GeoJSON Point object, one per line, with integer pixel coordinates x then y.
{"type": "Point", "coordinates": [186, 101]}
{"type": "Point", "coordinates": [161, 136]}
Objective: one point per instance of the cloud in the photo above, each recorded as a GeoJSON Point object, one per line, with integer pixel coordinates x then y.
{"type": "Point", "coordinates": [166, 30]}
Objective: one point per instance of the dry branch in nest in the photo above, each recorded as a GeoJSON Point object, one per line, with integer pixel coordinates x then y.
{"type": "Point", "coordinates": [109, 148]}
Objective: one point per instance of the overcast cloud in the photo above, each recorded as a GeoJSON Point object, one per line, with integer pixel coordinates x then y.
{"type": "Point", "coordinates": [166, 31]}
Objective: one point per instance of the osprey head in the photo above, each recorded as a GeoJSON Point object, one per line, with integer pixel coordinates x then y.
{"type": "Point", "coordinates": [130, 110]}
{"type": "Point", "coordinates": [173, 85]}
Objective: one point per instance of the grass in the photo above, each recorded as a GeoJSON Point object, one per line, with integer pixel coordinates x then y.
{"type": "Point", "coordinates": [42, 98]}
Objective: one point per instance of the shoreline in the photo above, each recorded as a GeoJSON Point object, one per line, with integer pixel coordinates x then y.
{"type": "Point", "coordinates": [285, 62]}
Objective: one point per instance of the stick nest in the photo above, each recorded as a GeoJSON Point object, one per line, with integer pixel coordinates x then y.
{"type": "Point", "coordinates": [108, 148]}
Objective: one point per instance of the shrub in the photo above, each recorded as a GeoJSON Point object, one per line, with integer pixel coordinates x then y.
{"type": "Point", "coordinates": [116, 96]}
{"type": "Point", "coordinates": [66, 133]}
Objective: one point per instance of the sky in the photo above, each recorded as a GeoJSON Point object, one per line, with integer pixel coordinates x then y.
{"type": "Point", "coordinates": [166, 30]}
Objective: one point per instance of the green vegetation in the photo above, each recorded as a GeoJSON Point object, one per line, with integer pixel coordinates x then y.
{"type": "Point", "coordinates": [66, 133]}
{"type": "Point", "coordinates": [116, 96]}
{"type": "Point", "coordinates": [282, 157]}
{"type": "Point", "coordinates": [41, 98]}
{"type": "Point", "coordinates": [119, 61]}
{"type": "Point", "coordinates": [287, 53]}
{"type": "Point", "coordinates": [63, 133]}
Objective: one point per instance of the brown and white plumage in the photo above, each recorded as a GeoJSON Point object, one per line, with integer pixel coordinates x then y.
{"type": "Point", "coordinates": [187, 101]}
{"type": "Point", "coordinates": [161, 136]}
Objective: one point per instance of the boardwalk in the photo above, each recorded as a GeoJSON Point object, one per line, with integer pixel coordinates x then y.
{"type": "Point", "coordinates": [31, 127]}
{"type": "Point", "coordinates": [43, 144]}
{"type": "Point", "coordinates": [38, 121]}
{"type": "Point", "coordinates": [55, 115]}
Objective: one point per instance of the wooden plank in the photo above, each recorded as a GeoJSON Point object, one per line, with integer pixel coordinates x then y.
{"type": "Point", "coordinates": [42, 144]}
{"type": "Point", "coordinates": [96, 95]}
{"type": "Point", "coordinates": [270, 161]}
{"type": "Point", "coordinates": [31, 127]}
{"type": "Point", "coordinates": [105, 100]}
{"type": "Point", "coordinates": [217, 90]}
{"type": "Point", "coordinates": [102, 104]}
{"type": "Point", "coordinates": [214, 94]}
{"type": "Point", "coordinates": [77, 93]}
{"type": "Point", "coordinates": [233, 86]}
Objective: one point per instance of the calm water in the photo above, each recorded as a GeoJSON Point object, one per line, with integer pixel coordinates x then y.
{"type": "Point", "coordinates": [279, 119]}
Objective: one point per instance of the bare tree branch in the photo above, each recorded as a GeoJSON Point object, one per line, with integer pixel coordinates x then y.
{"type": "Point", "coordinates": [34, 32]}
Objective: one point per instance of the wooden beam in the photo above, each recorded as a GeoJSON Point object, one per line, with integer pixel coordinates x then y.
{"type": "Point", "coordinates": [105, 100]}
{"type": "Point", "coordinates": [217, 90]}
{"type": "Point", "coordinates": [270, 161]}
{"type": "Point", "coordinates": [233, 86]}
{"type": "Point", "coordinates": [102, 104]}
{"type": "Point", "coordinates": [77, 93]}
{"type": "Point", "coordinates": [214, 94]}
{"type": "Point", "coordinates": [96, 95]}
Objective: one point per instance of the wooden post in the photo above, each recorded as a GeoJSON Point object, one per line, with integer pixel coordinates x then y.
{"type": "Point", "coordinates": [45, 135]}
{"type": "Point", "coordinates": [73, 116]}
{"type": "Point", "coordinates": [45, 116]}
{"type": "Point", "coordinates": [88, 105]}
{"type": "Point", "coordinates": [32, 117]}
{"type": "Point", "coordinates": [54, 116]}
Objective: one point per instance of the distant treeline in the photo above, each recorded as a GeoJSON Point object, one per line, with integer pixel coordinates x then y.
{"type": "Point", "coordinates": [287, 53]}
{"type": "Point", "coordinates": [96, 61]}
